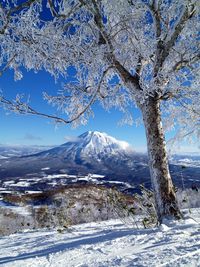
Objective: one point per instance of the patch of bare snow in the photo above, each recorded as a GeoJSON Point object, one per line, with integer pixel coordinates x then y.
{"type": "Point", "coordinates": [53, 176]}
{"type": "Point", "coordinates": [104, 244]}
{"type": "Point", "coordinates": [94, 175]}
{"type": "Point", "coordinates": [33, 191]}
{"type": "Point", "coordinates": [45, 169]}
{"type": "Point", "coordinates": [22, 183]}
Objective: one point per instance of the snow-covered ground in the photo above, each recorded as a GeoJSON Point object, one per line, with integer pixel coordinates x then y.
{"type": "Point", "coordinates": [108, 243]}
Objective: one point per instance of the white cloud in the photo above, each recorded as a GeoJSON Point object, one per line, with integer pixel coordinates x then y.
{"type": "Point", "coordinates": [29, 136]}
{"type": "Point", "coordinates": [182, 148]}
{"type": "Point", "coordinates": [73, 139]}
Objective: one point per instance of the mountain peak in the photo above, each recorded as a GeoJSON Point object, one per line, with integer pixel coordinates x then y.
{"type": "Point", "coordinates": [92, 133]}
{"type": "Point", "coordinates": [99, 142]}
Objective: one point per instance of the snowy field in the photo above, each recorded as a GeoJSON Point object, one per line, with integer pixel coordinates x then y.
{"type": "Point", "coordinates": [108, 243]}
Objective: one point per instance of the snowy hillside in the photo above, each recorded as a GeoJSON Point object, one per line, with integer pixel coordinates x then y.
{"type": "Point", "coordinates": [91, 152]}
{"type": "Point", "coordinates": [19, 150]}
{"type": "Point", "coordinates": [106, 244]}
{"type": "Point", "coordinates": [115, 162]}
{"type": "Point", "coordinates": [63, 207]}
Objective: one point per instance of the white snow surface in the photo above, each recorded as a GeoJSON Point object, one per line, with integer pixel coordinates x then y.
{"type": "Point", "coordinates": [108, 243]}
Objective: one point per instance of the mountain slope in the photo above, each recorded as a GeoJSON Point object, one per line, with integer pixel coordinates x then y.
{"type": "Point", "coordinates": [93, 152]}
{"type": "Point", "coordinates": [97, 153]}
{"type": "Point", "coordinates": [7, 151]}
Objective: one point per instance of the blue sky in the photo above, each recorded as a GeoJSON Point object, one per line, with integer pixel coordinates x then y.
{"type": "Point", "coordinates": [34, 130]}
{"type": "Point", "coordinates": [31, 130]}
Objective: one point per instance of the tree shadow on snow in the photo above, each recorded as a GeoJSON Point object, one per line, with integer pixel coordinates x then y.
{"type": "Point", "coordinates": [91, 240]}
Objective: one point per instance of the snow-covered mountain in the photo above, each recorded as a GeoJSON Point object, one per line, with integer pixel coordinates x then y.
{"type": "Point", "coordinates": [7, 151]}
{"type": "Point", "coordinates": [91, 152]}
{"type": "Point", "coordinates": [90, 146]}
{"type": "Point", "coordinates": [96, 143]}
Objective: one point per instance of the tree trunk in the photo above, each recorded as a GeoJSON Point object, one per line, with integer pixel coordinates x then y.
{"type": "Point", "coordinates": [165, 197]}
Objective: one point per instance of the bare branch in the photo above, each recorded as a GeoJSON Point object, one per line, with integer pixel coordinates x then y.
{"type": "Point", "coordinates": [21, 6]}
{"type": "Point", "coordinates": [164, 48]}
{"type": "Point", "coordinates": [24, 108]}
{"type": "Point", "coordinates": [15, 9]}
{"type": "Point", "coordinates": [64, 16]}
{"type": "Point", "coordinates": [157, 17]}
{"type": "Point", "coordinates": [101, 80]}
{"type": "Point", "coordinates": [123, 72]}
{"type": "Point", "coordinates": [187, 14]}
{"type": "Point", "coordinates": [52, 8]}
{"type": "Point", "coordinates": [186, 63]}
{"type": "Point", "coordinates": [185, 105]}
{"type": "Point", "coordinates": [7, 65]}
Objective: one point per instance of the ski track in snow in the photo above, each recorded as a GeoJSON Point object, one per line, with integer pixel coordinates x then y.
{"type": "Point", "coordinates": [108, 243]}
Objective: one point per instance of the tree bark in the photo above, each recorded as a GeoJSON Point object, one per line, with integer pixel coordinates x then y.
{"type": "Point", "coordinates": [165, 197]}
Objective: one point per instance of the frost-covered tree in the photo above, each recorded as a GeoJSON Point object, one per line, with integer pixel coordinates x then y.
{"type": "Point", "coordinates": [144, 52]}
